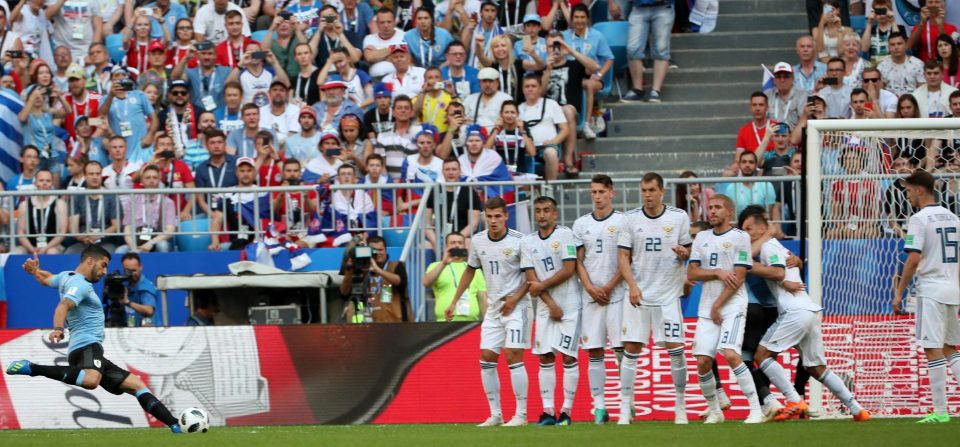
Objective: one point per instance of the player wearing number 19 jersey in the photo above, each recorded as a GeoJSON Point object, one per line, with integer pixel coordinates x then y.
{"type": "Point", "coordinates": [933, 239]}
{"type": "Point", "coordinates": [506, 324]}
{"type": "Point", "coordinates": [597, 267]}
{"type": "Point", "coordinates": [654, 243]}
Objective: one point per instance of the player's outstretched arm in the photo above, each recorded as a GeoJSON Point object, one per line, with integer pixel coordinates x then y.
{"type": "Point", "coordinates": [772, 273]}
{"type": "Point", "coordinates": [909, 269]}
{"type": "Point", "coordinates": [60, 319]}
{"type": "Point", "coordinates": [32, 266]}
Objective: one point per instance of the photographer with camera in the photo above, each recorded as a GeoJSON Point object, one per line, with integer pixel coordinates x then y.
{"type": "Point", "coordinates": [129, 113]}
{"type": "Point", "coordinates": [376, 286]}
{"type": "Point", "coordinates": [137, 295]}
{"type": "Point", "coordinates": [444, 275]}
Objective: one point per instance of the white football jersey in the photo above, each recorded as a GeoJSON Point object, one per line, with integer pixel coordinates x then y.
{"type": "Point", "coordinates": [656, 268]}
{"type": "Point", "coordinates": [772, 253]}
{"type": "Point", "coordinates": [546, 256]}
{"type": "Point", "coordinates": [934, 232]}
{"type": "Point", "coordinates": [600, 254]}
{"type": "Point", "coordinates": [723, 251]}
{"type": "Point", "coordinates": [500, 262]}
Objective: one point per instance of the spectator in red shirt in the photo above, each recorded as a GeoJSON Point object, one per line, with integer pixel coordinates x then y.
{"type": "Point", "coordinates": [923, 37]}
{"type": "Point", "coordinates": [182, 44]}
{"type": "Point", "coordinates": [82, 102]}
{"type": "Point", "coordinates": [751, 134]}
{"type": "Point", "coordinates": [295, 209]}
{"type": "Point", "coordinates": [136, 41]}
{"type": "Point", "coordinates": [268, 162]}
{"type": "Point", "coordinates": [174, 174]}
{"type": "Point", "coordinates": [229, 51]}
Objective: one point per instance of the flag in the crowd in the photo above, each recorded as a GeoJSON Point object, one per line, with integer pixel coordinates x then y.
{"type": "Point", "coordinates": [247, 209]}
{"type": "Point", "coordinates": [276, 250]}
{"type": "Point", "coordinates": [767, 78]}
{"type": "Point", "coordinates": [11, 139]}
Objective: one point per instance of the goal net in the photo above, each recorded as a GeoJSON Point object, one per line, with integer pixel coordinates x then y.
{"type": "Point", "coordinates": [857, 214]}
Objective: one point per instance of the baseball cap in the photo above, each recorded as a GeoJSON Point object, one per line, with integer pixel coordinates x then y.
{"type": "Point", "coordinates": [488, 74]}
{"type": "Point", "coordinates": [156, 45]}
{"type": "Point", "coordinates": [489, 2]}
{"type": "Point", "coordinates": [178, 83]}
{"type": "Point", "coordinates": [476, 130]}
{"type": "Point", "coordinates": [246, 160]}
{"type": "Point", "coordinates": [328, 134]}
{"type": "Point", "coordinates": [782, 129]}
{"type": "Point", "coordinates": [782, 67]}
{"type": "Point", "coordinates": [279, 82]}
{"type": "Point", "coordinates": [333, 84]}
{"type": "Point", "coordinates": [531, 18]}
{"type": "Point", "coordinates": [402, 48]}
{"type": "Point", "coordinates": [77, 120]}
{"type": "Point", "coordinates": [381, 90]}
{"type": "Point", "coordinates": [204, 45]}
{"type": "Point", "coordinates": [309, 111]}
{"type": "Point", "coordinates": [75, 71]}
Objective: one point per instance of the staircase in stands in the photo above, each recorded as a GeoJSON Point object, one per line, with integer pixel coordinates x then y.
{"type": "Point", "coordinates": [705, 101]}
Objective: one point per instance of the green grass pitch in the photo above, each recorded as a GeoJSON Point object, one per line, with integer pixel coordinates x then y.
{"type": "Point", "coordinates": [841, 433]}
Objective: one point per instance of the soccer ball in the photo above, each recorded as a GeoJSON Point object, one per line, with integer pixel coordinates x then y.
{"type": "Point", "coordinates": [194, 420]}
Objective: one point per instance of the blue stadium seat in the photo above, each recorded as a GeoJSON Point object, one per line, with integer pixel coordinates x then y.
{"type": "Point", "coordinates": [194, 242]}
{"type": "Point", "coordinates": [395, 238]}
{"type": "Point", "coordinates": [259, 35]}
{"type": "Point", "coordinates": [114, 44]}
{"type": "Point", "coordinates": [616, 34]}
{"type": "Point", "coordinates": [858, 23]}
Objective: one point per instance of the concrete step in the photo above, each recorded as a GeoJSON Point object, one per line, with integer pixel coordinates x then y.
{"type": "Point", "coordinates": [734, 39]}
{"type": "Point", "coordinates": [714, 57]}
{"type": "Point", "coordinates": [653, 145]}
{"type": "Point", "coordinates": [676, 126]}
{"type": "Point", "coordinates": [663, 162]}
{"type": "Point", "coordinates": [709, 91]}
{"type": "Point", "coordinates": [754, 6]}
{"type": "Point", "coordinates": [795, 21]}
{"type": "Point", "coordinates": [693, 75]}
{"type": "Point", "coordinates": [625, 111]}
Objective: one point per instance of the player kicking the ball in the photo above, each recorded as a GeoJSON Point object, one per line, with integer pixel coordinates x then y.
{"type": "Point", "coordinates": [654, 243]}
{"type": "Point", "coordinates": [932, 244]}
{"type": "Point", "coordinates": [549, 258]}
{"type": "Point", "coordinates": [81, 310]}
{"type": "Point", "coordinates": [798, 325]}
{"type": "Point", "coordinates": [720, 258]}
{"type": "Point", "coordinates": [506, 324]}
{"type": "Point", "coordinates": [599, 273]}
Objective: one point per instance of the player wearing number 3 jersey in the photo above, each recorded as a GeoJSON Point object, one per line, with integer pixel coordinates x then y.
{"type": "Point", "coordinates": [506, 324]}
{"type": "Point", "coordinates": [933, 237]}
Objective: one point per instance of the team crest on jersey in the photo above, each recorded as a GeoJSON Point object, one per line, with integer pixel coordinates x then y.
{"type": "Point", "coordinates": [555, 246]}
{"type": "Point", "coordinates": [612, 230]}
{"type": "Point", "coordinates": [727, 246]}
{"type": "Point", "coordinates": [668, 230]}
{"type": "Point", "coordinates": [507, 252]}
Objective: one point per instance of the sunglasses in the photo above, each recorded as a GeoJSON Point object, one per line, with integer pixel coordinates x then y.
{"type": "Point", "coordinates": [871, 79]}
{"type": "Point", "coordinates": [178, 92]}
{"type": "Point", "coordinates": [184, 27]}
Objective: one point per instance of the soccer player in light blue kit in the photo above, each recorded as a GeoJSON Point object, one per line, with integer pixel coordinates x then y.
{"type": "Point", "coordinates": [81, 310]}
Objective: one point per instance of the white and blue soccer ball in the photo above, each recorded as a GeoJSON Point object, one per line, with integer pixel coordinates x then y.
{"type": "Point", "coordinates": [194, 420]}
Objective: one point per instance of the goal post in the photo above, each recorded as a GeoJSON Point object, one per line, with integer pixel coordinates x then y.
{"type": "Point", "coordinates": [854, 254]}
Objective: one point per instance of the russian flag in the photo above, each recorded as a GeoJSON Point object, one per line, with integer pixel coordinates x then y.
{"type": "Point", "coordinates": [767, 79]}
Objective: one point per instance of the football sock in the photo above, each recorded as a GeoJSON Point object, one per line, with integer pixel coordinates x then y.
{"type": "Point", "coordinates": [571, 378]}
{"type": "Point", "coordinates": [780, 378]}
{"type": "Point", "coordinates": [745, 379]}
{"type": "Point", "coordinates": [800, 379]}
{"type": "Point", "coordinates": [678, 369]}
{"type": "Point", "coordinates": [715, 368]}
{"type": "Point", "coordinates": [548, 384]}
{"type": "Point", "coordinates": [156, 408]}
{"type": "Point", "coordinates": [491, 386]}
{"type": "Point", "coordinates": [518, 378]}
{"type": "Point", "coordinates": [954, 362]}
{"type": "Point", "coordinates": [71, 375]}
{"type": "Point", "coordinates": [709, 390]}
{"type": "Point", "coordinates": [938, 384]}
{"type": "Point", "coordinates": [760, 381]}
{"type": "Point", "coordinates": [628, 375]}
{"type": "Point", "coordinates": [836, 386]}
{"type": "Point", "coordinates": [596, 378]}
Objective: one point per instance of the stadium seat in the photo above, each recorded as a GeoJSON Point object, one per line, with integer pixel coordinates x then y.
{"type": "Point", "coordinates": [858, 23]}
{"type": "Point", "coordinates": [114, 44]}
{"type": "Point", "coordinates": [395, 238]}
{"type": "Point", "coordinates": [616, 34]}
{"type": "Point", "coordinates": [194, 242]}
{"type": "Point", "coordinates": [259, 35]}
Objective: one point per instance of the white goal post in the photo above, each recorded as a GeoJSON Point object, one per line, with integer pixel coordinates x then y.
{"type": "Point", "coordinates": [855, 253]}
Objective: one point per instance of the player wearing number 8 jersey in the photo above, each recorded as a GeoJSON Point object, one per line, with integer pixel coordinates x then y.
{"type": "Point", "coordinates": [506, 324]}
{"type": "Point", "coordinates": [720, 258]}
{"type": "Point", "coordinates": [549, 258]}
{"type": "Point", "coordinates": [596, 237]}
{"type": "Point", "coordinates": [932, 247]}
{"type": "Point", "coordinates": [654, 243]}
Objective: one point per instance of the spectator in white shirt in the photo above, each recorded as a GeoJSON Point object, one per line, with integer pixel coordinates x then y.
{"type": "Point", "coordinates": [280, 116]}
{"type": "Point", "coordinates": [376, 47]}
{"type": "Point", "coordinates": [933, 97]}
{"type": "Point", "coordinates": [209, 24]}
{"type": "Point", "coordinates": [544, 120]}
{"type": "Point", "coordinates": [483, 107]}
{"type": "Point", "coordinates": [406, 79]}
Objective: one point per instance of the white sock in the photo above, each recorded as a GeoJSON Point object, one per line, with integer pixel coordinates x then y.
{"type": "Point", "coordinates": [779, 378]}
{"type": "Point", "coordinates": [597, 378]}
{"type": "Point", "coordinates": [954, 362]}
{"type": "Point", "coordinates": [491, 386]}
{"type": "Point", "coordinates": [519, 380]}
{"type": "Point", "coordinates": [749, 389]}
{"type": "Point", "coordinates": [678, 369]}
{"type": "Point", "coordinates": [571, 378]}
{"type": "Point", "coordinates": [721, 393]}
{"type": "Point", "coordinates": [548, 383]}
{"type": "Point", "coordinates": [938, 384]}
{"type": "Point", "coordinates": [628, 375]}
{"type": "Point", "coordinates": [709, 390]}
{"type": "Point", "coordinates": [836, 386]}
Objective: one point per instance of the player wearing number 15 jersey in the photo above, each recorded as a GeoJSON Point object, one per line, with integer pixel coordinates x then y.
{"type": "Point", "coordinates": [506, 324]}
{"type": "Point", "coordinates": [549, 258]}
{"type": "Point", "coordinates": [654, 243]}
{"type": "Point", "coordinates": [596, 236]}
{"type": "Point", "coordinates": [933, 237]}
{"type": "Point", "coordinates": [720, 258]}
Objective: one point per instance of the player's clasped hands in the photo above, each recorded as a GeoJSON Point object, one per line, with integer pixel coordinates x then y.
{"type": "Point", "coordinates": [32, 264]}
{"type": "Point", "coordinates": [598, 294]}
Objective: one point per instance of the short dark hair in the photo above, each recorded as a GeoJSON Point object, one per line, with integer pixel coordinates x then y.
{"type": "Point", "coordinates": [755, 211]}
{"type": "Point", "coordinates": [748, 153]}
{"type": "Point", "coordinates": [375, 156]}
{"type": "Point", "coordinates": [533, 76]}
{"type": "Point", "coordinates": [494, 203]}
{"type": "Point", "coordinates": [233, 84]}
{"type": "Point", "coordinates": [837, 59]}
{"type": "Point", "coordinates": [347, 166]}
{"type": "Point", "coordinates": [232, 13]}
{"type": "Point", "coordinates": [955, 95]}
{"type": "Point", "coordinates": [215, 133]}
{"type": "Point", "coordinates": [376, 240]}
{"type": "Point", "coordinates": [933, 64]}
{"type": "Point", "coordinates": [652, 177]}
{"type": "Point", "coordinates": [545, 199]}
{"type": "Point", "coordinates": [249, 106]}
{"type": "Point", "coordinates": [922, 179]}
{"type": "Point", "coordinates": [450, 159]}
{"type": "Point", "coordinates": [152, 167]}
{"type": "Point", "coordinates": [701, 225]}
{"type": "Point", "coordinates": [858, 91]}
{"type": "Point", "coordinates": [131, 255]}
{"type": "Point", "coordinates": [385, 10]}
{"type": "Point", "coordinates": [29, 147]}
{"type": "Point", "coordinates": [896, 34]}
{"type": "Point", "coordinates": [163, 135]}
{"type": "Point", "coordinates": [96, 253]}
{"type": "Point", "coordinates": [580, 7]}
{"type": "Point", "coordinates": [452, 233]}
{"type": "Point", "coordinates": [602, 179]}
{"type": "Point", "coordinates": [759, 94]}
{"type": "Point", "coordinates": [402, 98]}
{"type": "Point", "coordinates": [291, 161]}
{"type": "Point", "coordinates": [455, 43]}
{"type": "Point", "coordinates": [91, 162]}
{"type": "Point", "coordinates": [510, 102]}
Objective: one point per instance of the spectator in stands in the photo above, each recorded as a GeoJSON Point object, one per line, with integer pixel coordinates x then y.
{"type": "Point", "coordinates": [548, 127]}
{"type": "Point", "coordinates": [480, 165]}
{"type": "Point", "coordinates": [330, 36]}
{"type": "Point", "coordinates": [947, 54]}
{"type": "Point", "coordinates": [452, 141]}
{"type": "Point", "coordinates": [442, 277]}
{"type": "Point", "coordinates": [230, 50]}
{"type": "Point", "coordinates": [482, 31]}
{"type": "Point", "coordinates": [120, 172]}
{"type": "Point", "coordinates": [37, 118]}
{"type": "Point", "coordinates": [884, 101]}
{"type": "Point", "coordinates": [140, 299]}
{"type": "Point", "coordinates": [693, 197]}
{"type": "Point", "coordinates": [268, 162]}
{"type": "Point", "coordinates": [306, 88]}
{"type": "Point", "coordinates": [354, 147]}
{"type": "Point", "coordinates": [531, 49]}
{"type": "Point", "coordinates": [949, 188]}
{"type": "Point", "coordinates": [954, 105]}
{"type": "Point", "coordinates": [787, 101]}
{"type": "Point", "coordinates": [358, 21]}
{"type": "Point", "coordinates": [853, 63]}
{"type": "Point", "coordinates": [242, 142]}
{"type": "Point", "coordinates": [174, 174]}
{"type": "Point", "coordinates": [137, 41]}
{"type": "Point", "coordinates": [179, 120]}
{"type": "Point", "coordinates": [405, 79]}
{"type": "Point", "coordinates": [462, 206]}
{"type": "Point", "coordinates": [29, 162]}
{"type": "Point", "coordinates": [427, 42]}
{"type": "Point", "coordinates": [509, 68]}
{"type": "Point", "coordinates": [196, 150]}
{"type": "Point", "coordinates": [323, 169]}
{"type": "Point", "coordinates": [294, 209]}
{"type": "Point", "coordinates": [235, 212]}
{"type": "Point", "coordinates": [80, 101]}
{"type": "Point", "coordinates": [254, 76]}
{"type": "Point", "coordinates": [130, 115]}
{"type": "Point", "coordinates": [395, 145]}
{"type": "Point", "coordinates": [341, 68]}
{"type": "Point", "coordinates": [75, 25]}
{"type": "Point", "coordinates": [896, 206]}
{"type": "Point", "coordinates": [746, 191]}
{"type": "Point", "coordinates": [205, 307]}
{"type": "Point", "coordinates": [932, 23]}
{"type": "Point", "coordinates": [455, 15]}
{"type": "Point", "coordinates": [915, 148]}
{"type": "Point", "coordinates": [283, 46]}
{"type": "Point", "coordinates": [512, 141]}
{"type": "Point", "coordinates": [830, 30]}
{"type": "Point", "coordinates": [901, 73]}
{"type": "Point", "coordinates": [85, 144]}
{"type": "Point", "coordinates": [815, 109]}
{"type": "Point", "coordinates": [464, 77]}
{"type": "Point", "coordinates": [388, 278]}
{"type": "Point", "coordinates": [379, 119]}
{"type": "Point", "coordinates": [860, 108]}
{"type": "Point", "coordinates": [434, 98]}
{"type": "Point", "coordinates": [209, 23]}
{"type": "Point", "coordinates": [382, 198]}
{"type": "Point", "coordinates": [280, 116]}
{"type": "Point", "coordinates": [182, 43]}
{"type": "Point", "coordinates": [751, 134]}
{"type": "Point", "coordinates": [150, 219]}
{"type": "Point", "coordinates": [45, 218]}
{"type": "Point", "coordinates": [219, 171]}
{"type": "Point", "coordinates": [93, 216]}
{"type": "Point", "coordinates": [62, 60]}
{"type": "Point", "coordinates": [853, 203]}
{"type": "Point", "coordinates": [782, 151]}
{"type": "Point", "coordinates": [422, 167]}
{"type": "Point", "coordinates": [653, 20]}
{"type": "Point", "coordinates": [377, 47]}
{"type": "Point", "coordinates": [208, 81]}
{"type": "Point", "coordinates": [303, 146]}
{"type": "Point", "coordinates": [564, 77]}
{"type": "Point", "coordinates": [335, 105]}
{"type": "Point", "coordinates": [75, 179]}
{"type": "Point", "coordinates": [933, 97]}
{"type": "Point", "coordinates": [874, 40]}
{"type": "Point", "coordinates": [595, 46]}
{"type": "Point", "coordinates": [810, 69]}
{"type": "Point", "coordinates": [834, 91]}
{"type": "Point", "coordinates": [348, 210]}
{"type": "Point", "coordinates": [483, 107]}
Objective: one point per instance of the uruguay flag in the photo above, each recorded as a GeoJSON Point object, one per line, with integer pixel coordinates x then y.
{"type": "Point", "coordinates": [11, 140]}
{"type": "Point", "coordinates": [767, 79]}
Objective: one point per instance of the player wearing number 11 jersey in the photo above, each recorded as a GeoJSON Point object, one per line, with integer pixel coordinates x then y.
{"type": "Point", "coordinates": [932, 244]}
{"type": "Point", "coordinates": [506, 324]}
